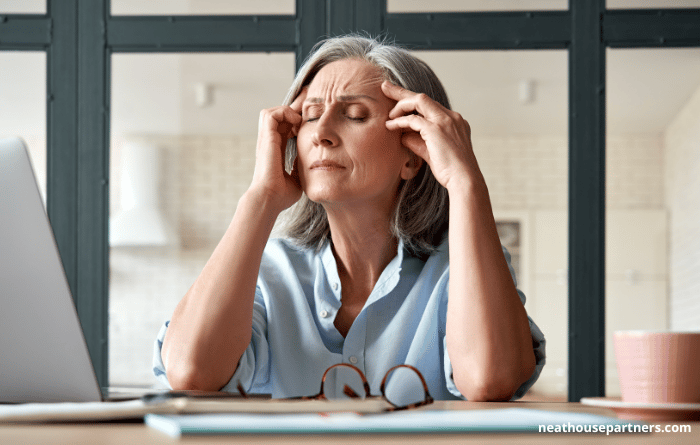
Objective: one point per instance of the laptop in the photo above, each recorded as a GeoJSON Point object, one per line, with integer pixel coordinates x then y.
{"type": "Point", "coordinates": [43, 354]}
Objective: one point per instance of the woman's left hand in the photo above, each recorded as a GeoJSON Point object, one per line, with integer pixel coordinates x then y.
{"type": "Point", "coordinates": [438, 135]}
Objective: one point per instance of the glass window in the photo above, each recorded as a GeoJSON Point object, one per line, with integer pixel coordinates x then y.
{"type": "Point", "coordinates": [474, 5]}
{"type": "Point", "coordinates": [653, 193]}
{"type": "Point", "coordinates": [637, 4]}
{"type": "Point", "coordinates": [201, 7]}
{"type": "Point", "coordinates": [22, 6]}
{"type": "Point", "coordinates": [183, 141]}
{"type": "Point", "coordinates": [23, 109]}
{"type": "Point", "coordinates": [516, 105]}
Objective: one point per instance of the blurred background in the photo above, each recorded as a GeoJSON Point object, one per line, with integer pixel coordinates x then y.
{"type": "Point", "coordinates": [182, 143]}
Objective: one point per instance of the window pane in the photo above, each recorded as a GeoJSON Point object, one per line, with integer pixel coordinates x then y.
{"type": "Point", "coordinates": [23, 109]}
{"type": "Point", "coordinates": [636, 4]}
{"type": "Point", "coordinates": [516, 105]}
{"type": "Point", "coordinates": [201, 7]}
{"type": "Point", "coordinates": [474, 5]}
{"type": "Point", "coordinates": [653, 193]}
{"type": "Point", "coordinates": [182, 152]}
{"type": "Point", "coordinates": [22, 6]}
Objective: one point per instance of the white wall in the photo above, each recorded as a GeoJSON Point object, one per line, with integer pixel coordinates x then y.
{"type": "Point", "coordinates": [682, 141]}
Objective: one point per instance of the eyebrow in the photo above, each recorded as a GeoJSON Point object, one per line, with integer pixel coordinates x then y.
{"type": "Point", "coordinates": [344, 98]}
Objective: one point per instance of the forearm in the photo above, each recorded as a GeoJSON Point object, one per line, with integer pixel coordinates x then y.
{"type": "Point", "coordinates": [488, 334]}
{"type": "Point", "coordinates": [211, 326]}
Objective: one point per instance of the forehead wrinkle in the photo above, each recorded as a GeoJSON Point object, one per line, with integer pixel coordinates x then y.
{"type": "Point", "coordinates": [343, 98]}
{"type": "Point", "coordinates": [351, 97]}
{"type": "Point", "coordinates": [343, 85]}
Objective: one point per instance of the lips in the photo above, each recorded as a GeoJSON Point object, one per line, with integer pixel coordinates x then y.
{"type": "Point", "coordinates": [326, 164]}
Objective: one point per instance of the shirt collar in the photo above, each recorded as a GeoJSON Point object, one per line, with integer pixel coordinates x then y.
{"type": "Point", "coordinates": [329, 260]}
{"type": "Point", "coordinates": [388, 279]}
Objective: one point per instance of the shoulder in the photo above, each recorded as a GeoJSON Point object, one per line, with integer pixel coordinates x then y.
{"type": "Point", "coordinates": [283, 252]}
{"type": "Point", "coordinates": [440, 257]}
{"type": "Point", "coordinates": [284, 245]}
{"type": "Point", "coordinates": [430, 273]}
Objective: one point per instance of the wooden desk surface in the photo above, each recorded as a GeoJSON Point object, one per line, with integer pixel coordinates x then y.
{"type": "Point", "coordinates": [138, 433]}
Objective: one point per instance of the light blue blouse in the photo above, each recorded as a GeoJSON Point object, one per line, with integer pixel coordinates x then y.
{"type": "Point", "coordinates": [294, 339]}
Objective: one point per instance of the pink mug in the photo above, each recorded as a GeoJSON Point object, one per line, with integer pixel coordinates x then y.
{"type": "Point", "coordinates": [658, 367]}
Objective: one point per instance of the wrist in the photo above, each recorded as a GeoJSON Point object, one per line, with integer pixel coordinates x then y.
{"type": "Point", "coordinates": [466, 186]}
{"type": "Point", "coordinates": [263, 201]}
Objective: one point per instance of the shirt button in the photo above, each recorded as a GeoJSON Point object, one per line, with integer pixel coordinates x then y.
{"type": "Point", "coordinates": [323, 314]}
{"type": "Point", "coordinates": [353, 359]}
{"type": "Point", "coordinates": [335, 286]}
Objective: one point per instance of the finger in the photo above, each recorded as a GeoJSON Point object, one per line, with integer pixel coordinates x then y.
{"type": "Point", "coordinates": [411, 102]}
{"type": "Point", "coordinates": [412, 121]}
{"type": "Point", "coordinates": [414, 127]}
{"type": "Point", "coordinates": [400, 95]}
{"type": "Point", "coordinates": [395, 92]}
{"type": "Point", "coordinates": [277, 115]}
{"type": "Point", "coordinates": [277, 125]}
{"type": "Point", "coordinates": [419, 104]}
{"type": "Point", "coordinates": [285, 117]}
{"type": "Point", "coordinates": [415, 143]}
{"type": "Point", "coordinates": [299, 100]}
{"type": "Point", "coordinates": [296, 106]}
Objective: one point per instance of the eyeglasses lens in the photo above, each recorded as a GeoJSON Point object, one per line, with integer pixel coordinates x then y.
{"type": "Point", "coordinates": [342, 383]}
{"type": "Point", "coordinates": [403, 388]}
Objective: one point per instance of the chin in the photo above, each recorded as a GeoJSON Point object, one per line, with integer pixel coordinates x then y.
{"type": "Point", "coordinates": [321, 195]}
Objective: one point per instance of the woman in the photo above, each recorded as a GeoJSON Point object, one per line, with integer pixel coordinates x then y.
{"type": "Point", "coordinates": [377, 164]}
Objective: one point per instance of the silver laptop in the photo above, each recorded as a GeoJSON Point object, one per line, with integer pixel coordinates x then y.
{"type": "Point", "coordinates": [43, 354]}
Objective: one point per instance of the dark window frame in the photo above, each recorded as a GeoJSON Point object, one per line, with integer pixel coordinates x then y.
{"type": "Point", "coordinates": [79, 37]}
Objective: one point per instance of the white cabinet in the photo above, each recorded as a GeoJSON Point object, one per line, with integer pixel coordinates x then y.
{"type": "Point", "coordinates": [636, 285]}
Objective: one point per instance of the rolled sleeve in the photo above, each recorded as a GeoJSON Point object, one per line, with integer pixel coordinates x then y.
{"type": "Point", "coordinates": [538, 345]}
{"type": "Point", "coordinates": [158, 365]}
{"type": "Point", "coordinates": [449, 378]}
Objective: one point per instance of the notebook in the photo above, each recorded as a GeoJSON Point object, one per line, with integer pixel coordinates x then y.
{"type": "Point", "coordinates": [508, 420]}
{"type": "Point", "coordinates": [43, 354]}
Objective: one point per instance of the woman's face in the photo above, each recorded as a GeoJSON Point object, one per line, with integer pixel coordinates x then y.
{"type": "Point", "coordinates": [345, 154]}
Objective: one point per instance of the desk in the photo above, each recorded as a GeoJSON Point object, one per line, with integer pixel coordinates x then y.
{"type": "Point", "coordinates": [138, 433]}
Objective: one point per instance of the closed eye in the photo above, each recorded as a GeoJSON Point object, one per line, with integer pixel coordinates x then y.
{"type": "Point", "coordinates": [312, 112]}
{"type": "Point", "coordinates": [356, 112]}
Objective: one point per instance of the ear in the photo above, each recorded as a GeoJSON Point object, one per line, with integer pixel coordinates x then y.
{"type": "Point", "coordinates": [411, 167]}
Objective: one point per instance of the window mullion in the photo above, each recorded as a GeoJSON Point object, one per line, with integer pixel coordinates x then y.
{"type": "Point", "coordinates": [586, 202]}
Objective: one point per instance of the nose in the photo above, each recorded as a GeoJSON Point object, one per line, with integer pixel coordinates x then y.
{"type": "Point", "coordinates": [324, 131]}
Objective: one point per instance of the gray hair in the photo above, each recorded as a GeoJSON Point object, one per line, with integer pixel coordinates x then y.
{"type": "Point", "coordinates": [422, 210]}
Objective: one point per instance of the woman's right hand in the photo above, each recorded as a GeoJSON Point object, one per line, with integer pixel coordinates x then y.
{"type": "Point", "coordinates": [270, 179]}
